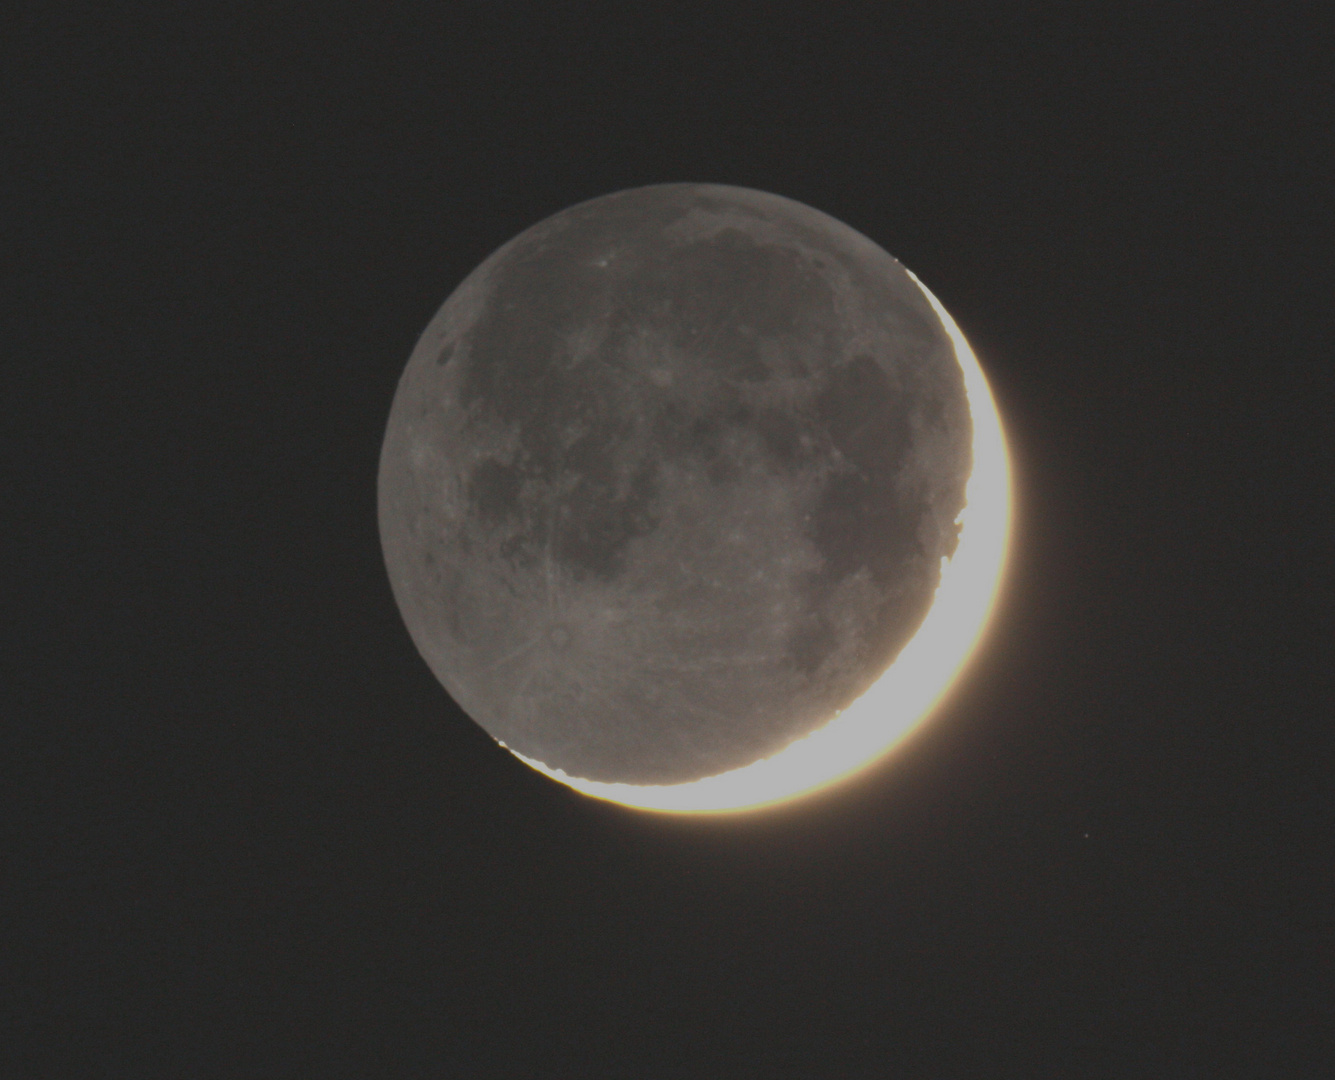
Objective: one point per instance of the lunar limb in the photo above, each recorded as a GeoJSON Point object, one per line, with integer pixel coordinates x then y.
{"type": "Point", "coordinates": [693, 497]}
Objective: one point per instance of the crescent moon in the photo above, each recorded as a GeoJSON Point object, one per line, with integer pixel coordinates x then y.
{"type": "Point", "coordinates": [911, 688]}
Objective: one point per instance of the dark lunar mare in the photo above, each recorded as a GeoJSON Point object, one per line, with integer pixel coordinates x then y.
{"type": "Point", "coordinates": [668, 480]}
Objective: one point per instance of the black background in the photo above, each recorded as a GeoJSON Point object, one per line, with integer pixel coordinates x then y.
{"type": "Point", "coordinates": [253, 838]}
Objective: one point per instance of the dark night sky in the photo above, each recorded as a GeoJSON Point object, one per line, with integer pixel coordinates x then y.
{"type": "Point", "coordinates": [253, 838]}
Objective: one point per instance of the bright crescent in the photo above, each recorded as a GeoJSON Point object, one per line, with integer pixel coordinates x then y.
{"type": "Point", "coordinates": [909, 690]}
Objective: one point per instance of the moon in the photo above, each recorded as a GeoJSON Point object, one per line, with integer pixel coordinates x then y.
{"type": "Point", "coordinates": [694, 498]}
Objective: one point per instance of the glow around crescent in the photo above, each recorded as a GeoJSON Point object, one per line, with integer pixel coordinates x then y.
{"type": "Point", "coordinates": [911, 687]}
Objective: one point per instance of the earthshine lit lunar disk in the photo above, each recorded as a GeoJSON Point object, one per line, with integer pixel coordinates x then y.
{"type": "Point", "coordinates": [694, 498]}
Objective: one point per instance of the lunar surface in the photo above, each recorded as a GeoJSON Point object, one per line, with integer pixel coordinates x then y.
{"type": "Point", "coordinates": [670, 481]}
